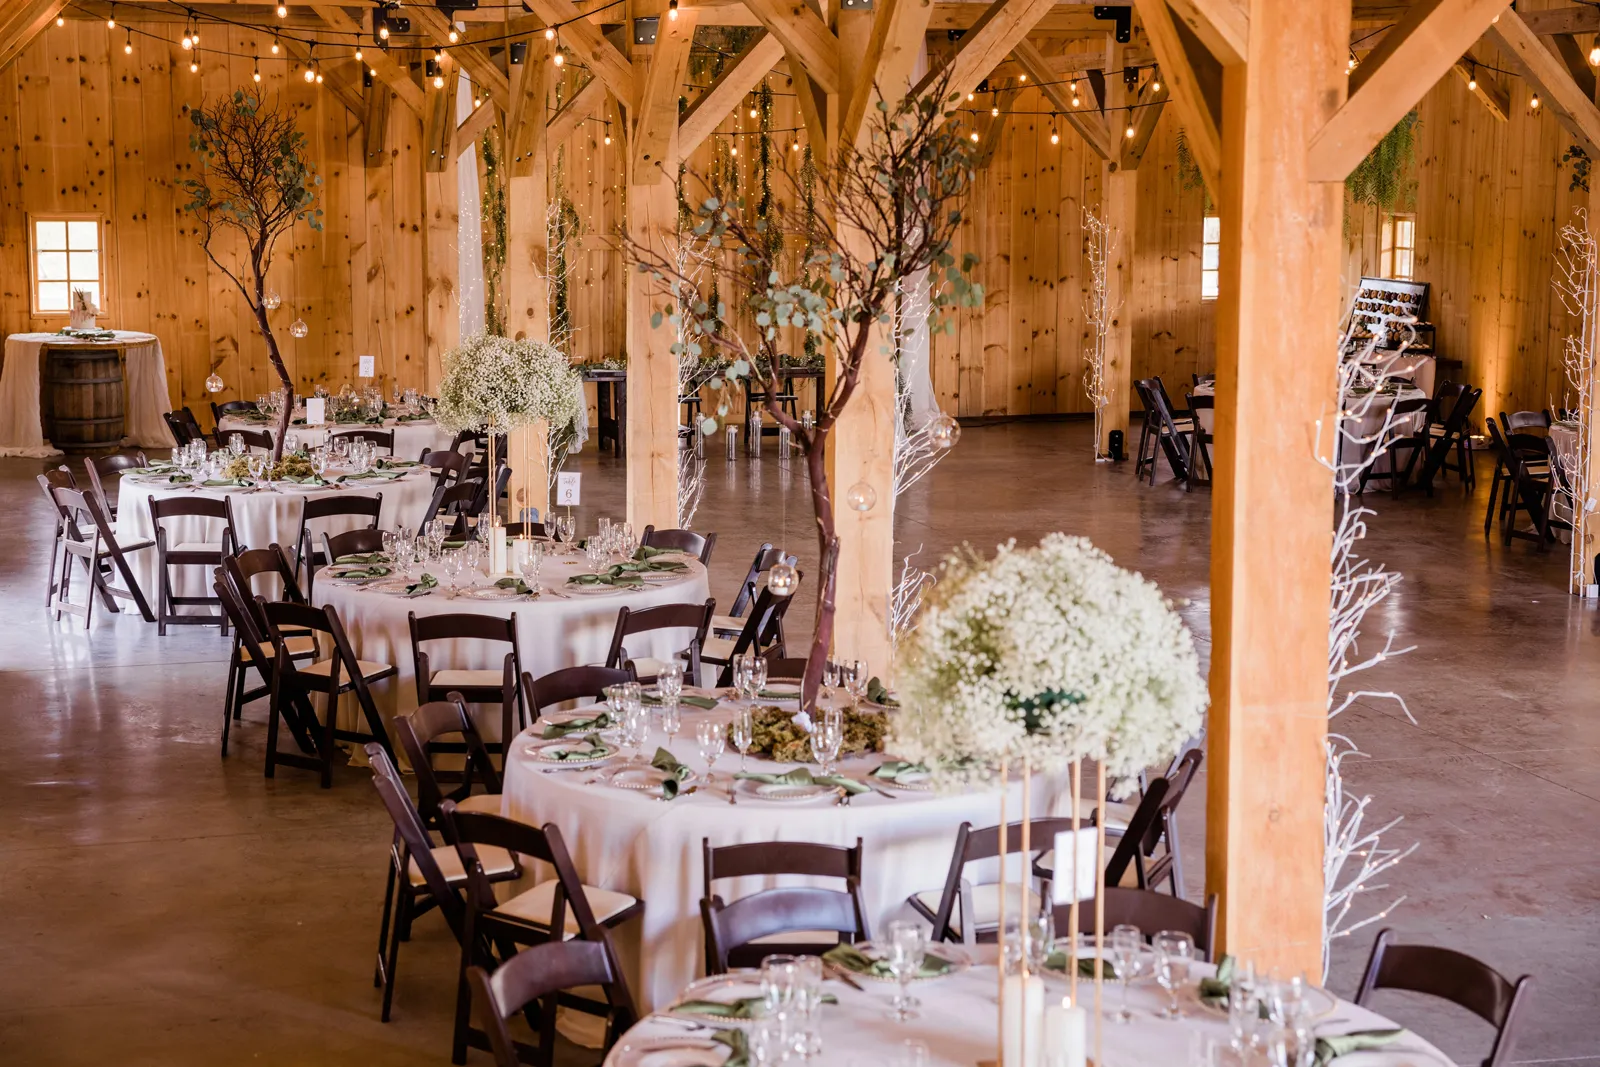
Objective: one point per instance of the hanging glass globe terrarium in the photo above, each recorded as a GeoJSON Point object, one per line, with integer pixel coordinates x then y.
{"type": "Point", "coordinates": [298, 328]}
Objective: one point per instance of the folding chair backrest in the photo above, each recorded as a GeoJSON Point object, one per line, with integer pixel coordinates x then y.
{"type": "Point", "coordinates": [538, 972]}
{"type": "Point", "coordinates": [766, 558]}
{"type": "Point", "coordinates": [570, 683]}
{"type": "Point", "coordinates": [448, 466]}
{"type": "Point", "coordinates": [341, 506]}
{"type": "Point", "coordinates": [273, 562]}
{"type": "Point", "coordinates": [102, 467]}
{"type": "Point", "coordinates": [351, 543]}
{"type": "Point", "coordinates": [693, 617]}
{"type": "Point", "coordinates": [688, 541]}
{"type": "Point", "coordinates": [412, 836]}
{"type": "Point", "coordinates": [761, 627]}
{"type": "Point", "coordinates": [419, 730]}
{"type": "Point", "coordinates": [467, 829]}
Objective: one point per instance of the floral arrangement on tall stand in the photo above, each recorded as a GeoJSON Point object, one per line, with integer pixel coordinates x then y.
{"type": "Point", "coordinates": [1035, 661]}
{"type": "Point", "coordinates": [493, 385]}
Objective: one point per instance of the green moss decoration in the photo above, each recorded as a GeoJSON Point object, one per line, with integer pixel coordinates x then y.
{"type": "Point", "coordinates": [495, 234]}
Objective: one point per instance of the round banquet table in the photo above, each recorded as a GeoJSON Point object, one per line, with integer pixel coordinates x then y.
{"type": "Point", "coordinates": [262, 517]}
{"type": "Point", "coordinates": [145, 382]}
{"type": "Point", "coordinates": [410, 437]}
{"type": "Point", "coordinates": [959, 1023]}
{"type": "Point", "coordinates": [651, 849]}
{"type": "Point", "coordinates": [558, 629]}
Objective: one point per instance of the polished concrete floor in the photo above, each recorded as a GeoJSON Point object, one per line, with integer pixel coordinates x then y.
{"type": "Point", "coordinates": [159, 905]}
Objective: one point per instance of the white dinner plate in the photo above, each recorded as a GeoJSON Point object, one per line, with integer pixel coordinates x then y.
{"type": "Point", "coordinates": [784, 791]}
{"type": "Point", "coordinates": [727, 988]}
{"type": "Point", "coordinates": [645, 779]}
{"type": "Point", "coordinates": [490, 592]}
{"type": "Point", "coordinates": [544, 752]}
{"type": "Point", "coordinates": [1144, 966]}
{"type": "Point", "coordinates": [596, 590]}
{"type": "Point", "coordinates": [670, 1052]}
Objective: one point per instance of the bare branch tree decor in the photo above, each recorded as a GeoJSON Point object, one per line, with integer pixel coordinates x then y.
{"type": "Point", "coordinates": [1098, 313]}
{"type": "Point", "coordinates": [884, 213]}
{"type": "Point", "coordinates": [256, 179]}
{"type": "Point", "coordinates": [1577, 280]}
{"type": "Point", "coordinates": [1363, 424]}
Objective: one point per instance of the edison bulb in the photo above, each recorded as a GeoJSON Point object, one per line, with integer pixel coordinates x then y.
{"type": "Point", "coordinates": [946, 431]}
{"type": "Point", "coordinates": [298, 328]}
{"type": "Point", "coordinates": [783, 579]}
{"type": "Point", "coordinates": [214, 383]}
{"type": "Point", "coordinates": [861, 497]}
{"type": "Point", "coordinates": [550, 33]}
{"type": "Point", "coordinates": [283, 11]}
{"type": "Point", "coordinates": [270, 299]}
{"type": "Point", "coordinates": [1055, 138]}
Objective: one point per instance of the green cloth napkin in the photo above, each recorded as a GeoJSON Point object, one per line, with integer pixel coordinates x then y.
{"type": "Point", "coordinates": [1214, 991]}
{"type": "Point", "coordinates": [742, 1008]}
{"type": "Point", "coordinates": [363, 557]}
{"type": "Point", "coordinates": [220, 482]}
{"type": "Point", "coordinates": [155, 468]}
{"type": "Point", "coordinates": [422, 585]}
{"type": "Point", "coordinates": [1332, 1046]}
{"type": "Point", "coordinates": [780, 694]}
{"type": "Point", "coordinates": [396, 464]}
{"type": "Point", "coordinates": [647, 553]}
{"type": "Point", "coordinates": [596, 749]}
{"type": "Point", "coordinates": [676, 773]}
{"type": "Point", "coordinates": [738, 1043]}
{"type": "Point", "coordinates": [311, 479]}
{"type": "Point", "coordinates": [620, 581]}
{"type": "Point", "coordinates": [413, 418]}
{"type": "Point", "coordinates": [514, 583]}
{"type": "Point", "coordinates": [375, 570]}
{"type": "Point", "coordinates": [892, 770]}
{"type": "Point", "coordinates": [803, 776]}
{"type": "Point", "coordinates": [554, 730]}
{"type": "Point", "coordinates": [387, 476]}
{"type": "Point", "coordinates": [1057, 961]}
{"type": "Point", "coordinates": [703, 703]}
{"type": "Point", "coordinates": [179, 479]}
{"type": "Point", "coordinates": [879, 694]}
{"type": "Point", "coordinates": [853, 959]}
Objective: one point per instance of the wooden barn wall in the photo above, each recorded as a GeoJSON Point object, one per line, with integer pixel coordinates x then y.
{"type": "Point", "coordinates": [85, 127]}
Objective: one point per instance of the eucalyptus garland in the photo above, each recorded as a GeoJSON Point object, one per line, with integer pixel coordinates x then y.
{"type": "Point", "coordinates": [1385, 179]}
{"type": "Point", "coordinates": [495, 235]}
{"type": "Point", "coordinates": [565, 228]}
{"type": "Point", "coordinates": [808, 277]}
{"type": "Point", "coordinates": [765, 203]}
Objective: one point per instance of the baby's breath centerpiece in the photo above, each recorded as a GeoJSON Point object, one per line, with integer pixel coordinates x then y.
{"type": "Point", "coordinates": [1051, 654]}
{"type": "Point", "coordinates": [495, 385]}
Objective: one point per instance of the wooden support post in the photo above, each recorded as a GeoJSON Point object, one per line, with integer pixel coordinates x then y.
{"type": "Point", "coordinates": [1586, 523]}
{"type": "Point", "coordinates": [1120, 183]}
{"type": "Point", "coordinates": [1271, 522]}
{"type": "Point", "coordinates": [527, 255]}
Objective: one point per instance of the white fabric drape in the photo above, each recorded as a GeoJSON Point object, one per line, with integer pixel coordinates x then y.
{"type": "Point", "coordinates": [915, 363]}
{"type": "Point", "coordinates": [145, 381]}
{"type": "Point", "coordinates": [469, 239]}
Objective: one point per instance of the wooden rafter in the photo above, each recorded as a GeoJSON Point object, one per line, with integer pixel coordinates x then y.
{"type": "Point", "coordinates": [473, 58]}
{"type": "Point", "coordinates": [1584, 18]}
{"type": "Point", "coordinates": [898, 28]}
{"type": "Point", "coordinates": [375, 123]}
{"type": "Point", "coordinates": [804, 36]}
{"type": "Point", "coordinates": [655, 125]}
{"type": "Point", "coordinates": [477, 124]}
{"type": "Point", "coordinates": [1148, 112]}
{"type": "Point", "coordinates": [589, 46]}
{"type": "Point", "coordinates": [439, 127]}
{"type": "Point", "coordinates": [1188, 93]}
{"type": "Point", "coordinates": [738, 77]}
{"type": "Point", "coordinates": [1062, 20]}
{"type": "Point", "coordinates": [1223, 26]}
{"type": "Point", "coordinates": [380, 63]}
{"type": "Point", "coordinates": [335, 75]}
{"type": "Point", "coordinates": [525, 119]}
{"type": "Point", "coordinates": [1487, 92]}
{"type": "Point", "coordinates": [21, 25]}
{"type": "Point", "coordinates": [564, 123]}
{"type": "Point", "coordinates": [1410, 60]}
{"type": "Point", "coordinates": [1531, 59]}
{"type": "Point", "coordinates": [1090, 124]}
{"type": "Point", "coordinates": [997, 32]}
{"type": "Point", "coordinates": [1566, 46]}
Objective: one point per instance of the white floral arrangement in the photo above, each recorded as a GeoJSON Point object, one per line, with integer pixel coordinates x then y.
{"type": "Point", "coordinates": [495, 384]}
{"type": "Point", "coordinates": [1051, 654]}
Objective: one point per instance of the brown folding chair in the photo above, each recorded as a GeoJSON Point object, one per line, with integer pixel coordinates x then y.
{"type": "Point", "coordinates": [84, 533]}
{"type": "Point", "coordinates": [419, 733]}
{"type": "Point", "coordinates": [787, 668]}
{"type": "Point", "coordinates": [568, 684]}
{"type": "Point", "coordinates": [762, 632]}
{"type": "Point", "coordinates": [695, 618]}
{"type": "Point", "coordinates": [253, 649]}
{"type": "Point", "coordinates": [340, 506]}
{"type": "Point", "coordinates": [454, 502]}
{"type": "Point", "coordinates": [232, 407]}
{"type": "Point", "coordinates": [745, 932]}
{"type": "Point", "coordinates": [1152, 912]}
{"type": "Point", "coordinates": [102, 467]}
{"type": "Point", "coordinates": [341, 672]}
{"type": "Point", "coordinates": [448, 466]}
{"type": "Point", "coordinates": [527, 984]}
{"type": "Point", "coordinates": [525, 529]}
{"type": "Point", "coordinates": [1454, 976]}
{"type": "Point", "coordinates": [177, 427]}
{"type": "Point", "coordinates": [182, 553]}
{"type": "Point", "coordinates": [379, 438]}
{"type": "Point", "coordinates": [681, 541]}
{"type": "Point", "coordinates": [260, 439]}
{"type": "Point", "coordinates": [766, 558]}
{"type": "Point", "coordinates": [351, 543]}
{"type": "Point", "coordinates": [980, 905]}
{"type": "Point", "coordinates": [475, 686]}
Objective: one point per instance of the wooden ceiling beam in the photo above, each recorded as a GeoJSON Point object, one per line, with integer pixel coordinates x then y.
{"type": "Point", "coordinates": [588, 45]}
{"type": "Point", "coordinates": [1431, 38]}
{"type": "Point", "coordinates": [335, 75]}
{"type": "Point", "coordinates": [439, 127]}
{"type": "Point", "coordinates": [23, 23]}
{"type": "Point", "coordinates": [1184, 84]}
{"type": "Point", "coordinates": [1582, 19]}
{"type": "Point", "coordinates": [390, 72]}
{"type": "Point", "coordinates": [474, 58]}
{"type": "Point", "coordinates": [1003, 25]}
{"type": "Point", "coordinates": [1535, 62]}
{"type": "Point", "coordinates": [375, 124]}
{"type": "Point", "coordinates": [525, 121]}
{"type": "Point", "coordinates": [485, 115]}
{"type": "Point", "coordinates": [564, 123]}
{"type": "Point", "coordinates": [655, 126]}
{"type": "Point", "coordinates": [1090, 125]}
{"type": "Point", "coordinates": [1566, 46]}
{"type": "Point", "coordinates": [805, 36]}
{"type": "Point", "coordinates": [898, 29]}
{"type": "Point", "coordinates": [738, 78]}
{"type": "Point", "coordinates": [1491, 94]}
{"type": "Point", "coordinates": [1223, 26]}
{"type": "Point", "coordinates": [1150, 105]}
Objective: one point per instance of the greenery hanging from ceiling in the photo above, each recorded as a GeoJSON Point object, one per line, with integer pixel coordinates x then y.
{"type": "Point", "coordinates": [1580, 168]}
{"type": "Point", "coordinates": [1189, 176]}
{"type": "Point", "coordinates": [809, 277]}
{"type": "Point", "coordinates": [1386, 180]}
{"type": "Point", "coordinates": [564, 229]}
{"type": "Point", "coordinates": [494, 235]}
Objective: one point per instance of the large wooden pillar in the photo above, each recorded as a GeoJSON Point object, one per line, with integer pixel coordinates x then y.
{"type": "Point", "coordinates": [1120, 185]}
{"type": "Point", "coordinates": [1277, 316]}
{"type": "Point", "coordinates": [652, 217]}
{"type": "Point", "coordinates": [527, 286]}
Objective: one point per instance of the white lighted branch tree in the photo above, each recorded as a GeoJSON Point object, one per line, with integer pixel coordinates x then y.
{"type": "Point", "coordinates": [885, 213]}
{"type": "Point", "coordinates": [256, 180]}
{"type": "Point", "coordinates": [1098, 313]}
{"type": "Point", "coordinates": [1576, 280]}
{"type": "Point", "coordinates": [1354, 857]}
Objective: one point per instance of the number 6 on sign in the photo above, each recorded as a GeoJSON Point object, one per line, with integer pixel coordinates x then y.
{"type": "Point", "coordinates": [567, 488]}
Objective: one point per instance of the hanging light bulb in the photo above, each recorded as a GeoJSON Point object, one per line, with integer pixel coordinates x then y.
{"type": "Point", "coordinates": [274, 44]}
{"type": "Point", "coordinates": [194, 64]}
{"type": "Point", "coordinates": [1155, 81]}
{"type": "Point", "coordinates": [994, 111]}
{"type": "Point", "coordinates": [111, 19]}
{"type": "Point", "coordinates": [970, 98]}
{"type": "Point", "coordinates": [194, 33]}
{"type": "Point", "coordinates": [945, 433]}
{"type": "Point", "coordinates": [298, 328]}
{"type": "Point", "coordinates": [795, 147]}
{"type": "Point", "coordinates": [558, 59]}
{"type": "Point", "coordinates": [1472, 79]}
{"type": "Point", "coordinates": [1533, 103]}
{"type": "Point", "coordinates": [550, 33]}
{"type": "Point", "coordinates": [672, 10]}
{"type": "Point", "coordinates": [358, 55]}
{"type": "Point", "coordinates": [1074, 88]}
{"type": "Point", "coordinates": [383, 31]}
{"type": "Point", "coordinates": [127, 49]}
{"type": "Point", "coordinates": [188, 42]}
{"type": "Point", "coordinates": [256, 74]}
{"type": "Point", "coordinates": [438, 80]}
{"type": "Point", "coordinates": [309, 74]}
{"type": "Point", "coordinates": [438, 56]}
{"type": "Point", "coordinates": [734, 151]}
{"type": "Point", "coordinates": [270, 299]}
{"type": "Point", "coordinates": [61, 20]}
{"type": "Point", "coordinates": [214, 383]}
{"type": "Point", "coordinates": [1023, 77]}
{"type": "Point", "coordinates": [1594, 53]}
{"type": "Point", "coordinates": [454, 36]}
{"type": "Point", "coordinates": [974, 136]}
{"type": "Point", "coordinates": [861, 497]}
{"type": "Point", "coordinates": [1055, 138]}
{"type": "Point", "coordinates": [319, 74]}
{"type": "Point", "coordinates": [283, 11]}
{"type": "Point", "coordinates": [783, 579]}
{"type": "Point", "coordinates": [754, 113]}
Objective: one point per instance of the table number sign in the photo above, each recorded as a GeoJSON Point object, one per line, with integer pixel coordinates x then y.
{"type": "Point", "coordinates": [316, 411]}
{"type": "Point", "coordinates": [1077, 854]}
{"type": "Point", "coordinates": [367, 368]}
{"type": "Point", "coordinates": [567, 488]}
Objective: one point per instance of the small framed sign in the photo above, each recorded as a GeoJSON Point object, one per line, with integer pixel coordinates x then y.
{"type": "Point", "coordinates": [316, 411]}
{"type": "Point", "coordinates": [367, 369]}
{"type": "Point", "coordinates": [567, 488]}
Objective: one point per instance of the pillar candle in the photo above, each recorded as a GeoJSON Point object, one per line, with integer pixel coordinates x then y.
{"type": "Point", "coordinates": [497, 550]}
{"type": "Point", "coordinates": [1066, 1035]}
{"type": "Point", "coordinates": [1024, 1007]}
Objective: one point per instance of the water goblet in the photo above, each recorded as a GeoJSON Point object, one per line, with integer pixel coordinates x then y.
{"type": "Point", "coordinates": [1127, 942]}
{"type": "Point", "coordinates": [594, 552]}
{"type": "Point", "coordinates": [712, 740]}
{"type": "Point", "coordinates": [291, 443]}
{"type": "Point", "coordinates": [528, 565]}
{"type": "Point", "coordinates": [390, 544]}
{"type": "Point", "coordinates": [740, 667]}
{"type": "Point", "coordinates": [808, 1005]}
{"type": "Point", "coordinates": [855, 680]}
{"type": "Point", "coordinates": [779, 979]}
{"type": "Point", "coordinates": [768, 1042]}
{"type": "Point", "coordinates": [906, 945]}
{"type": "Point", "coordinates": [830, 679]}
{"type": "Point", "coordinates": [827, 736]}
{"type": "Point", "coordinates": [758, 676]}
{"type": "Point", "coordinates": [319, 462]}
{"type": "Point", "coordinates": [1174, 952]}
{"type": "Point", "coordinates": [743, 733]}
{"type": "Point", "coordinates": [236, 443]}
{"type": "Point", "coordinates": [1244, 1008]}
{"type": "Point", "coordinates": [671, 719]}
{"type": "Point", "coordinates": [669, 680]}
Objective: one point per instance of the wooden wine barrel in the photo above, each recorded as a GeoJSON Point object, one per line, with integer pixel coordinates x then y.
{"type": "Point", "coordinates": [83, 398]}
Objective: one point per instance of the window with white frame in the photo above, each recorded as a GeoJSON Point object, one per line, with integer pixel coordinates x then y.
{"type": "Point", "coordinates": [1210, 257]}
{"type": "Point", "coordinates": [1397, 246]}
{"type": "Point", "coordinates": [65, 252]}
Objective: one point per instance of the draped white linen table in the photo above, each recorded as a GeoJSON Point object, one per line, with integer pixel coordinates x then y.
{"type": "Point", "coordinates": [145, 382]}
{"type": "Point", "coordinates": [410, 438]}
{"type": "Point", "coordinates": [651, 849]}
{"type": "Point", "coordinates": [558, 629]}
{"type": "Point", "coordinates": [958, 1022]}
{"type": "Point", "coordinates": [262, 517]}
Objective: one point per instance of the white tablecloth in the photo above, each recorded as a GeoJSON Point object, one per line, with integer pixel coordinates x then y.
{"type": "Point", "coordinates": [145, 382]}
{"type": "Point", "coordinates": [959, 1022]}
{"type": "Point", "coordinates": [1420, 369]}
{"type": "Point", "coordinates": [410, 438]}
{"type": "Point", "coordinates": [263, 517]}
{"type": "Point", "coordinates": [630, 843]}
{"type": "Point", "coordinates": [552, 631]}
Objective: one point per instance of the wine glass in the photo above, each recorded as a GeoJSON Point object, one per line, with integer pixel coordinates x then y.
{"type": "Point", "coordinates": [907, 946]}
{"type": "Point", "coordinates": [1174, 952]}
{"type": "Point", "coordinates": [830, 679]}
{"type": "Point", "coordinates": [712, 740]}
{"type": "Point", "coordinates": [671, 719]}
{"type": "Point", "coordinates": [741, 676]}
{"type": "Point", "coordinates": [808, 1004]}
{"type": "Point", "coordinates": [855, 680]}
{"type": "Point", "coordinates": [669, 681]}
{"type": "Point", "coordinates": [635, 727]}
{"type": "Point", "coordinates": [1244, 1007]}
{"type": "Point", "coordinates": [528, 566]}
{"type": "Point", "coordinates": [1127, 942]}
{"type": "Point", "coordinates": [566, 528]}
{"type": "Point", "coordinates": [743, 731]}
{"type": "Point", "coordinates": [236, 443]}
{"type": "Point", "coordinates": [827, 735]}
{"type": "Point", "coordinates": [594, 551]}
{"type": "Point", "coordinates": [758, 676]}
{"type": "Point", "coordinates": [454, 565]}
